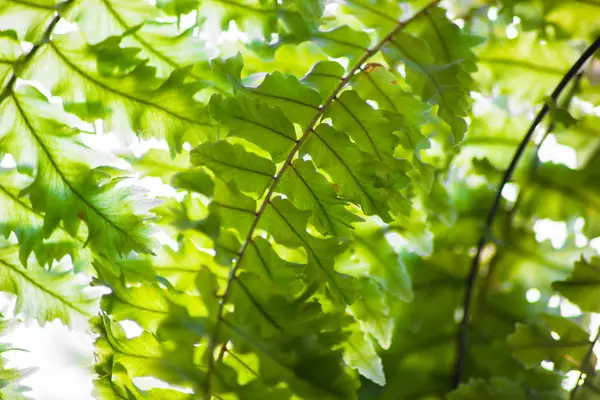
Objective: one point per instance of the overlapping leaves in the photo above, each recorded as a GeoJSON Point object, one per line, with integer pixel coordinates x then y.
{"type": "Point", "coordinates": [299, 186]}
{"type": "Point", "coordinates": [39, 138]}
{"type": "Point", "coordinates": [305, 188]}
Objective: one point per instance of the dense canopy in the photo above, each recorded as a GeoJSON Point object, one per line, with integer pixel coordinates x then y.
{"type": "Point", "coordinates": [351, 199]}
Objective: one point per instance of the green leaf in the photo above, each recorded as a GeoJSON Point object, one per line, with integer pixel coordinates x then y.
{"type": "Point", "coordinates": [372, 312]}
{"type": "Point", "coordinates": [580, 287]}
{"type": "Point", "coordinates": [159, 163]}
{"type": "Point", "coordinates": [311, 8]}
{"type": "Point", "coordinates": [44, 295]}
{"type": "Point", "coordinates": [371, 132]}
{"type": "Point", "coordinates": [381, 86]}
{"type": "Point", "coordinates": [436, 84]}
{"type": "Point", "coordinates": [194, 180]}
{"type": "Point", "coordinates": [288, 58]}
{"type": "Point", "coordinates": [377, 257]}
{"type": "Point", "coordinates": [311, 372]}
{"type": "Point", "coordinates": [261, 20]}
{"type": "Point", "coordinates": [405, 113]}
{"type": "Point", "coordinates": [343, 42]}
{"type": "Point", "coordinates": [309, 190]}
{"type": "Point", "coordinates": [361, 178]}
{"type": "Point", "coordinates": [28, 20]}
{"type": "Point", "coordinates": [495, 389]}
{"type": "Point", "coordinates": [382, 16]}
{"type": "Point", "coordinates": [288, 225]}
{"type": "Point", "coordinates": [298, 101]}
{"type": "Point", "coordinates": [522, 68]}
{"type": "Point", "coordinates": [162, 43]}
{"type": "Point", "coordinates": [177, 7]}
{"type": "Point", "coordinates": [324, 76]}
{"type": "Point", "coordinates": [139, 102]}
{"type": "Point", "coordinates": [318, 242]}
{"type": "Point", "coordinates": [440, 74]}
{"type": "Point", "coordinates": [256, 122]}
{"type": "Point", "coordinates": [148, 304]}
{"type": "Point", "coordinates": [118, 384]}
{"type": "Point", "coordinates": [19, 217]}
{"type": "Point", "coordinates": [233, 163]}
{"type": "Point", "coordinates": [118, 16]}
{"type": "Point", "coordinates": [235, 210]}
{"type": "Point", "coordinates": [567, 192]}
{"type": "Point", "coordinates": [140, 355]}
{"type": "Point", "coordinates": [360, 354]}
{"type": "Point", "coordinates": [10, 51]}
{"type": "Point", "coordinates": [264, 262]}
{"type": "Point", "coordinates": [578, 19]}
{"type": "Point", "coordinates": [34, 132]}
{"type": "Point", "coordinates": [12, 387]}
{"type": "Point", "coordinates": [555, 339]}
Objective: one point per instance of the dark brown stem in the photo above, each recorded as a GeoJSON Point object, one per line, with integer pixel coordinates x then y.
{"type": "Point", "coordinates": [535, 163]}
{"type": "Point", "coordinates": [45, 37]}
{"type": "Point", "coordinates": [462, 334]}
{"type": "Point", "coordinates": [584, 363]}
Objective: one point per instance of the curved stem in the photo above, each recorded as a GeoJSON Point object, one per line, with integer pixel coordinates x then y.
{"type": "Point", "coordinates": [534, 165]}
{"type": "Point", "coordinates": [584, 362]}
{"type": "Point", "coordinates": [462, 335]}
{"type": "Point", "coordinates": [551, 127]}
{"type": "Point", "coordinates": [212, 343]}
{"type": "Point", "coordinates": [27, 57]}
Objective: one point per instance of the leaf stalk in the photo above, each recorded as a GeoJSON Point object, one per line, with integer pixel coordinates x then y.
{"type": "Point", "coordinates": [463, 329]}
{"type": "Point", "coordinates": [287, 163]}
{"type": "Point", "coordinates": [20, 63]}
{"type": "Point", "coordinates": [586, 360]}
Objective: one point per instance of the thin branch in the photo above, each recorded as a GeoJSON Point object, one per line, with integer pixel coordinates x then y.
{"type": "Point", "coordinates": [462, 339]}
{"type": "Point", "coordinates": [535, 163]}
{"type": "Point", "coordinates": [584, 363]}
{"type": "Point", "coordinates": [45, 38]}
{"type": "Point", "coordinates": [287, 163]}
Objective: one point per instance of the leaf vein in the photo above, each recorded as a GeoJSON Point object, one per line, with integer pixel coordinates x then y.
{"type": "Point", "coordinates": [64, 179]}
{"type": "Point", "coordinates": [124, 94]}
{"type": "Point", "coordinates": [321, 110]}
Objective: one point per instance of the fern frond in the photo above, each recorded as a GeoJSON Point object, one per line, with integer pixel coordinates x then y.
{"type": "Point", "coordinates": [161, 43]}
{"type": "Point", "coordinates": [121, 358]}
{"type": "Point", "coordinates": [118, 18]}
{"type": "Point", "coordinates": [19, 217]}
{"type": "Point", "coordinates": [108, 82]}
{"type": "Point", "coordinates": [118, 385]}
{"type": "Point", "coordinates": [28, 19]}
{"type": "Point", "coordinates": [44, 294]}
{"type": "Point", "coordinates": [440, 75]}
{"type": "Point", "coordinates": [10, 378]}
{"type": "Point", "coordinates": [330, 229]}
{"type": "Point", "coordinates": [521, 68]}
{"type": "Point", "coordinates": [365, 173]}
{"type": "Point", "coordinates": [34, 132]}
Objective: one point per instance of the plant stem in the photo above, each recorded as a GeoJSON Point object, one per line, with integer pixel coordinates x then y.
{"type": "Point", "coordinates": [462, 334]}
{"type": "Point", "coordinates": [510, 215]}
{"type": "Point", "coordinates": [27, 57]}
{"type": "Point", "coordinates": [551, 127]}
{"type": "Point", "coordinates": [584, 362]}
{"type": "Point", "coordinates": [212, 343]}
